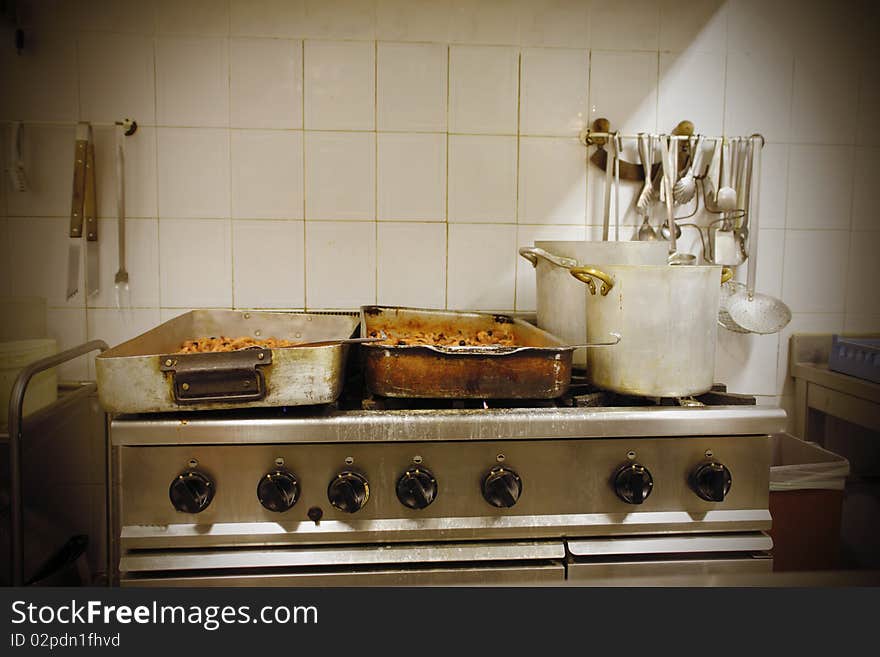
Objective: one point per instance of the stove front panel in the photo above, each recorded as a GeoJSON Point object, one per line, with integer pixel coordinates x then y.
{"type": "Point", "coordinates": [566, 490]}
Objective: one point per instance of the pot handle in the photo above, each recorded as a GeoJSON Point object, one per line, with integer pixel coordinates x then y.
{"type": "Point", "coordinates": [726, 272]}
{"type": "Point", "coordinates": [587, 274]}
{"type": "Point", "coordinates": [532, 253]}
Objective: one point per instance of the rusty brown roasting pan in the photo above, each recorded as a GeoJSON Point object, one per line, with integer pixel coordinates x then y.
{"type": "Point", "coordinates": [538, 367]}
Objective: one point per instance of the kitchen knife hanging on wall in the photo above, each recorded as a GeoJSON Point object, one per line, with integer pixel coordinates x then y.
{"type": "Point", "coordinates": [90, 213]}
{"type": "Point", "coordinates": [77, 208]}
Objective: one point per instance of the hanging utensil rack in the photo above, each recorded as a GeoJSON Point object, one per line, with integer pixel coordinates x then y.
{"type": "Point", "coordinates": [680, 140]}
{"type": "Point", "coordinates": [682, 137]}
{"type": "Point", "coordinates": [589, 137]}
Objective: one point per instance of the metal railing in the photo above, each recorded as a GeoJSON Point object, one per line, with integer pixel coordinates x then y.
{"type": "Point", "coordinates": [16, 404]}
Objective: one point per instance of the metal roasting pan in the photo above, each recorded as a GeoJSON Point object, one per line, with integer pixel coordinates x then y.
{"type": "Point", "coordinates": [539, 367]}
{"type": "Point", "coordinates": [145, 375]}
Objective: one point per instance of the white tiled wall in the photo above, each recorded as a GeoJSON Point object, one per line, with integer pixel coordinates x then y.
{"type": "Point", "coordinates": [325, 154]}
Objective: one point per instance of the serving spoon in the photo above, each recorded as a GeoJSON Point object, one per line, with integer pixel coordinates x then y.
{"type": "Point", "coordinates": [685, 187]}
{"type": "Point", "coordinates": [643, 204]}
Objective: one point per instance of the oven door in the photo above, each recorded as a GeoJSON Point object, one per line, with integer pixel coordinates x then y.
{"type": "Point", "coordinates": [646, 560]}
{"type": "Point", "coordinates": [525, 563]}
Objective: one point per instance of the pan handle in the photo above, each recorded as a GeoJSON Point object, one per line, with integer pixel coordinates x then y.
{"type": "Point", "coordinates": [327, 343]}
{"type": "Point", "coordinates": [532, 253]}
{"type": "Point", "coordinates": [475, 350]}
{"type": "Point", "coordinates": [506, 351]}
{"type": "Point", "coordinates": [615, 340]}
{"type": "Point", "coordinates": [587, 274]}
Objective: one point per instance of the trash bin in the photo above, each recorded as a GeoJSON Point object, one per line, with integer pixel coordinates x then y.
{"type": "Point", "coordinates": [806, 501]}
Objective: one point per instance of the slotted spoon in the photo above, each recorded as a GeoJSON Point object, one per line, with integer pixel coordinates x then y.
{"type": "Point", "coordinates": [757, 313]}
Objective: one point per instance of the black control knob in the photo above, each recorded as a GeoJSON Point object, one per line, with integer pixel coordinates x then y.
{"type": "Point", "coordinates": [191, 491]}
{"type": "Point", "coordinates": [278, 490]}
{"type": "Point", "coordinates": [349, 491]}
{"type": "Point", "coordinates": [502, 487]}
{"type": "Point", "coordinates": [633, 483]}
{"type": "Point", "coordinates": [711, 481]}
{"type": "Point", "coordinates": [417, 488]}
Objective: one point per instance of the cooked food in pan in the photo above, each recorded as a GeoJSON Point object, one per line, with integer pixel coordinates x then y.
{"type": "Point", "coordinates": [223, 343]}
{"type": "Point", "coordinates": [497, 337]}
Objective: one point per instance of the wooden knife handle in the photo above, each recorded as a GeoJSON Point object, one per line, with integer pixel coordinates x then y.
{"type": "Point", "coordinates": [90, 210]}
{"type": "Point", "coordinates": [79, 180]}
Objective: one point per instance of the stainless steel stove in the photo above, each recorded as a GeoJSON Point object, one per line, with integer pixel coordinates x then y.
{"type": "Point", "coordinates": [372, 491]}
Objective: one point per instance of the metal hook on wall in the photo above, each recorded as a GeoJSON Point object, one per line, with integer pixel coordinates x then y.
{"type": "Point", "coordinates": [130, 126]}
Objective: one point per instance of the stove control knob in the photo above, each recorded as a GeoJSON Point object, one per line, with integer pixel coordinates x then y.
{"type": "Point", "coordinates": [417, 488]}
{"type": "Point", "coordinates": [349, 491]}
{"type": "Point", "coordinates": [191, 491]}
{"type": "Point", "coordinates": [502, 487]}
{"type": "Point", "coordinates": [633, 483]}
{"type": "Point", "coordinates": [278, 490]}
{"type": "Point", "coordinates": [711, 481]}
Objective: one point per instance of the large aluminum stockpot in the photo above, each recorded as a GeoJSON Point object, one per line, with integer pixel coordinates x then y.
{"type": "Point", "coordinates": [561, 300]}
{"type": "Point", "coordinates": [666, 315]}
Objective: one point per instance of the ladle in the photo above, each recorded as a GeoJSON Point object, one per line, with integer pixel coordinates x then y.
{"type": "Point", "coordinates": [758, 313]}
{"type": "Point", "coordinates": [675, 258]}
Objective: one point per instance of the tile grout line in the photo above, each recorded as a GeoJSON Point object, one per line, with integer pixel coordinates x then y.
{"type": "Point", "coordinates": [446, 227]}
{"type": "Point", "coordinates": [156, 163]}
{"type": "Point", "coordinates": [558, 136]}
{"type": "Point", "coordinates": [302, 100]}
{"type": "Point", "coordinates": [519, 92]}
{"type": "Point", "coordinates": [229, 192]}
{"type": "Point", "coordinates": [586, 154]}
{"type": "Point", "coordinates": [726, 74]}
{"type": "Point", "coordinates": [851, 195]}
{"type": "Point", "coordinates": [341, 39]}
{"type": "Point", "coordinates": [79, 115]}
{"type": "Point", "coordinates": [782, 351]}
{"type": "Point", "coordinates": [376, 177]}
